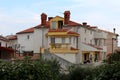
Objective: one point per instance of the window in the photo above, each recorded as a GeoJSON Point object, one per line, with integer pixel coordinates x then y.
{"type": "Point", "coordinates": [52, 40]}
{"type": "Point", "coordinates": [95, 41]}
{"type": "Point", "coordinates": [74, 40]}
{"type": "Point", "coordinates": [53, 25]}
{"type": "Point", "coordinates": [28, 36]}
{"type": "Point", "coordinates": [90, 32]}
{"type": "Point", "coordinates": [60, 24]}
{"type": "Point", "coordinates": [104, 42]}
{"type": "Point", "coordinates": [85, 39]}
{"type": "Point", "coordinates": [63, 40]}
{"type": "Point", "coordinates": [70, 40]}
{"type": "Point", "coordinates": [85, 30]}
{"type": "Point", "coordinates": [90, 41]}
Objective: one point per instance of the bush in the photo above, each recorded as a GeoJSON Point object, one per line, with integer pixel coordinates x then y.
{"type": "Point", "coordinates": [108, 72]}
{"type": "Point", "coordinates": [80, 73]}
{"type": "Point", "coordinates": [114, 57]}
{"type": "Point", "coordinates": [30, 70]}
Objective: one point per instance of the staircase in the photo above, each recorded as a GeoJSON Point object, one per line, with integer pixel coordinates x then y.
{"type": "Point", "coordinates": [64, 63]}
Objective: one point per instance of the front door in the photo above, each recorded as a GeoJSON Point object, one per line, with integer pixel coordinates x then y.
{"type": "Point", "coordinates": [86, 56]}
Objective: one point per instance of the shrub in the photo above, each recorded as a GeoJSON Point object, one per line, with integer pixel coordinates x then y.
{"type": "Point", "coordinates": [30, 70]}
{"type": "Point", "coordinates": [80, 73]}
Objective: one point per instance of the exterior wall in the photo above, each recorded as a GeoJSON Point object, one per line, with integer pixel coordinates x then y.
{"type": "Point", "coordinates": [38, 41]}
{"type": "Point", "coordinates": [3, 43]}
{"type": "Point", "coordinates": [25, 43]}
{"type": "Point", "coordinates": [12, 43]}
{"type": "Point", "coordinates": [111, 42]}
{"type": "Point", "coordinates": [86, 35]}
{"type": "Point", "coordinates": [67, 40]}
{"type": "Point", "coordinates": [69, 57]}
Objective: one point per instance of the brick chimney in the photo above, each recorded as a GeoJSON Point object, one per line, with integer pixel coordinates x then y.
{"type": "Point", "coordinates": [66, 17]}
{"type": "Point", "coordinates": [43, 19]}
{"type": "Point", "coordinates": [84, 23]}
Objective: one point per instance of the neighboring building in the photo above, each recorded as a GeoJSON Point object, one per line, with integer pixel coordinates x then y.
{"type": "Point", "coordinates": [5, 53]}
{"type": "Point", "coordinates": [66, 39]}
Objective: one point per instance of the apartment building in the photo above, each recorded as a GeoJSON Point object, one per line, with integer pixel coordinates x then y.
{"type": "Point", "coordinates": [66, 39]}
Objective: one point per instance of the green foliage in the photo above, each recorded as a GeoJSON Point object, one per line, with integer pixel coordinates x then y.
{"type": "Point", "coordinates": [79, 73]}
{"type": "Point", "coordinates": [51, 70]}
{"type": "Point", "coordinates": [30, 70]}
{"type": "Point", "coordinates": [108, 72]}
{"type": "Point", "coordinates": [114, 57]}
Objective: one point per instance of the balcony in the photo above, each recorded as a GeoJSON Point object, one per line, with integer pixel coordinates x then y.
{"type": "Point", "coordinates": [62, 48]}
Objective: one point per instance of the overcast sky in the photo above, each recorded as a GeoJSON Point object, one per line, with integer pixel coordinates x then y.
{"type": "Point", "coordinates": [17, 15]}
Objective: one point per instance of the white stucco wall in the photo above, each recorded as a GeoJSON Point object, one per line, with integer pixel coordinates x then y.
{"type": "Point", "coordinates": [88, 35]}
{"type": "Point", "coordinates": [38, 32]}
{"type": "Point", "coordinates": [3, 43]}
{"type": "Point", "coordinates": [25, 43]}
{"type": "Point", "coordinates": [12, 43]}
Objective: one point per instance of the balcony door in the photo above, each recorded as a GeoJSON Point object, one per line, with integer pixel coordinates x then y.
{"type": "Point", "coordinates": [53, 40]}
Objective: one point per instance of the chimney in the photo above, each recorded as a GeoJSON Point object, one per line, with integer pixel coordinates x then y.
{"type": "Point", "coordinates": [49, 18]}
{"type": "Point", "coordinates": [66, 17]}
{"type": "Point", "coordinates": [84, 23]}
{"type": "Point", "coordinates": [43, 19]}
{"type": "Point", "coordinates": [114, 30]}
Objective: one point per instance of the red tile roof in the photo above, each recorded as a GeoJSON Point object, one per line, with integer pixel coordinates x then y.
{"type": "Point", "coordinates": [63, 30]}
{"type": "Point", "coordinates": [71, 32]}
{"type": "Point", "coordinates": [108, 32]}
{"type": "Point", "coordinates": [13, 37]}
{"type": "Point", "coordinates": [30, 30]}
{"type": "Point", "coordinates": [72, 23]}
{"type": "Point", "coordinates": [72, 48]}
{"type": "Point", "coordinates": [46, 26]}
{"type": "Point", "coordinates": [6, 49]}
{"type": "Point", "coordinates": [3, 38]}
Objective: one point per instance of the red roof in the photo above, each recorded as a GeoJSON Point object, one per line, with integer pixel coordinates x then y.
{"type": "Point", "coordinates": [72, 23]}
{"type": "Point", "coordinates": [45, 26]}
{"type": "Point", "coordinates": [72, 48]}
{"type": "Point", "coordinates": [108, 32]}
{"type": "Point", "coordinates": [3, 38]}
{"type": "Point", "coordinates": [13, 37]}
{"type": "Point", "coordinates": [6, 49]}
{"type": "Point", "coordinates": [30, 30]}
{"type": "Point", "coordinates": [71, 32]}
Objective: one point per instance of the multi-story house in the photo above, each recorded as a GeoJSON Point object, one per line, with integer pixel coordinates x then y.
{"type": "Point", "coordinates": [66, 39]}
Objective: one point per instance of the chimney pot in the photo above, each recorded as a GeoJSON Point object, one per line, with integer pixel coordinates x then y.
{"type": "Point", "coordinates": [66, 17]}
{"type": "Point", "coordinates": [84, 23]}
{"type": "Point", "coordinates": [43, 19]}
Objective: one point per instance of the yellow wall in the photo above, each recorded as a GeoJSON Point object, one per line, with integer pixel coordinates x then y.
{"type": "Point", "coordinates": [57, 18]}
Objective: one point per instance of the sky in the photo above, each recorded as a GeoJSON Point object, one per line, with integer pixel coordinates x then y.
{"type": "Point", "coordinates": [17, 15]}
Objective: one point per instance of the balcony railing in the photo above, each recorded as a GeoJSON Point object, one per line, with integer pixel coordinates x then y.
{"type": "Point", "coordinates": [61, 48]}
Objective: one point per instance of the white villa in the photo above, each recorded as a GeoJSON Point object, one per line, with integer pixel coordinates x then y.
{"type": "Point", "coordinates": [66, 39]}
